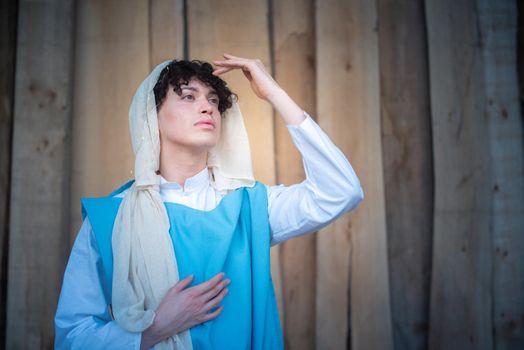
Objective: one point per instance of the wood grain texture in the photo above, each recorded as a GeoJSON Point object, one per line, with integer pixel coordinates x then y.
{"type": "Point", "coordinates": [8, 22]}
{"type": "Point", "coordinates": [111, 60]}
{"type": "Point", "coordinates": [408, 167]}
{"type": "Point", "coordinates": [294, 49]}
{"type": "Point", "coordinates": [40, 166]}
{"type": "Point", "coordinates": [461, 312]}
{"type": "Point", "coordinates": [166, 31]}
{"type": "Point", "coordinates": [352, 252]}
{"type": "Point", "coordinates": [498, 30]}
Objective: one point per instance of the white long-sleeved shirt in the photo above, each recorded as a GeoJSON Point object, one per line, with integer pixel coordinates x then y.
{"type": "Point", "coordinates": [331, 188]}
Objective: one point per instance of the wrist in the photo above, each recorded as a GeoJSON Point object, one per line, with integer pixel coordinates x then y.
{"type": "Point", "coordinates": [290, 112]}
{"type": "Point", "coordinates": [276, 95]}
{"type": "Point", "coordinates": [150, 337]}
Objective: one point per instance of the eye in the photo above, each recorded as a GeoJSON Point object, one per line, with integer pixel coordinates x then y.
{"type": "Point", "coordinates": [214, 100]}
{"type": "Point", "coordinates": [188, 97]}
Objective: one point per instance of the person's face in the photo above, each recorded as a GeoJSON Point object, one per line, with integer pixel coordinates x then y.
{"type": "Point", "coordinates": [191, 120]}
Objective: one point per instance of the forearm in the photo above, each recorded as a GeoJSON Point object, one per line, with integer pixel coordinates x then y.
{"type": "Point", "coordinates": [148, 339]}
{"type": "Point", "coordinates": [151, 336]}
{"type": "Point", "coordinates": [291, 113]}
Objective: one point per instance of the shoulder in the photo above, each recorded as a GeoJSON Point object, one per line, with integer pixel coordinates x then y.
{"type": "Point", "coordinates": [91, 205]}
{"type": "Point", "coordinates": [257, 193]}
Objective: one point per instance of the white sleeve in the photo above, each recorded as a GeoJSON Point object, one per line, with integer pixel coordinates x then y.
{"type": "Point", "coordinates": [82, 319]}
{"type": "Point", "coordinates": [330, 189]}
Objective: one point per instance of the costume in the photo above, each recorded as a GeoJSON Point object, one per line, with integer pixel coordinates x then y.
{"type": "Point", "coordinates": [330, 189]}
{"type": "Point", "coordinates": [234, 238]}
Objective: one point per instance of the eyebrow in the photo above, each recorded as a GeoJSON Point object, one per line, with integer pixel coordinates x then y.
{"type": "Point", "coordinates": [212, 92]}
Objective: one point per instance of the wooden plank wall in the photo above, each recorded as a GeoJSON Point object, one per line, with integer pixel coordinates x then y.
{"type": "Point", "coordinates": [294, 56]}
{"type": "Point", "coordinates": [461, 293]}
{"type": "Point", "coordinates": [38, 243]}
{"type": "Point", "coordinates": [8, 23]}
{"type": "Point", "coordinates": [421, 96]}
{"type": "Point", "coordinates": [408, 166]}
{"type": "Point", "coordinates": [111, 60]}
{"type": "Point", "coordinates": [352, 252]}
{"type": "Point", "coordinates": [166, 31]}
{"type": "Point", "coordinates": [498, 31]}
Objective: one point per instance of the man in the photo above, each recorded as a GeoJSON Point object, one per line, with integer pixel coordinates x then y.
{"type": "Point", "coordinates": [195, 212]}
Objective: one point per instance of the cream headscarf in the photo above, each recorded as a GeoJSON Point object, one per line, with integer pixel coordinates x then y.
{"type": "Point", "coordinates": [144, 263]}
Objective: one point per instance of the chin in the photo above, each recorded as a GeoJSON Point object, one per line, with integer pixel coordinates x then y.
{"type": "Point", "coordinates": [205, 144]}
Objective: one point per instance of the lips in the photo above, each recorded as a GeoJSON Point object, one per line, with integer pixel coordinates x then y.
{"type": "Point", "coordinates": [204, 122]}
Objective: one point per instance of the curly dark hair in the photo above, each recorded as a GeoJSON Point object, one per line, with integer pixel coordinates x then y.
{"type": "Point", "coordinates": [179, 72]}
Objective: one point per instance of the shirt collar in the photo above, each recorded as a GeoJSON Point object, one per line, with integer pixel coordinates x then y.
{"type": "Point", "coordinates": [193, 183]}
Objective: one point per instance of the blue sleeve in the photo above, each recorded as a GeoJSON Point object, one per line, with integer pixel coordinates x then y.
{"type": "Point", "coordinates": [82, 319]}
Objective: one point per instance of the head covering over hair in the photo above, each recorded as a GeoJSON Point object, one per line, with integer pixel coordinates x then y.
{"type": "Point", "coordinates": [144, 263]}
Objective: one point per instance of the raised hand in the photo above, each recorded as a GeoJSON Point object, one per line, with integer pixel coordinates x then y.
{"type": "Point", "coordinates": [263, 85]}
{"type": "Point", "coordinates": [183, 308]}
{"type": "Point", "coordinates": [261, 81]}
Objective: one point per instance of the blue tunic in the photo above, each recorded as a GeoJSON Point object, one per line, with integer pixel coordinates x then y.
{"type": "Point", "coordinates": [234, 238]}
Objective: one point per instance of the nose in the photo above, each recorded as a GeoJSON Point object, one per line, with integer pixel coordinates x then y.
{"type": "Point", "coordinates": [206, 107]}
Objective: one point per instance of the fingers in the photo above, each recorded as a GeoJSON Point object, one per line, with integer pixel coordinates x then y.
{"type": "Point", "coordinates": [240, 59]}
{"type": "Point", "coordinates": [216, 300]}
{"type": "Point", "coordinates": [231, 57]}
{"type": "Point", "coordinates": [234, 61]}
{"type": "Point", "coordinates": [209, 284]}
{"type": "Point", "coordinates": [221, 70]}
{"type": "Point", "coordinates": [212, 315]}
{"type": "Point", "coordinates": [182, 284]}
{"type": "Point", "coordinates": [227, 55]}
{"type": "Point", "coordinates": [248, 66]}
{"type": "Point", "coordinates": [216, 290]}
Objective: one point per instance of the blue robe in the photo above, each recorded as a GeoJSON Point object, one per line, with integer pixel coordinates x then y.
{"type": "Point", "coordinates": [234, 238]}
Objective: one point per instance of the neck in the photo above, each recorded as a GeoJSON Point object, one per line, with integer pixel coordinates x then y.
{"type": "Point", "coordinates": [179, 163]}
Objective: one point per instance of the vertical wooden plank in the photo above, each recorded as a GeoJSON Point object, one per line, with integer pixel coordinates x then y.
{"type": "Point", "coordinates": [348, 97]}
{"type": "Point", "coordinates": [294, 50]}
{"type": "Point", "coordinates": [241, 29]}
{"type": "Point", "coordinates": [408, 173]}
{"type": "Point", "coordinates": [461, 313]}
{"type": "Point", "coordinates": [166, 32]}
{"type": "Point", "coordinates": [8, 21]}
{"type": "Point", "coordinates": [520, 51]}
{"type": "Point", "coordinates": [111, 60]}
{"type": "Point", "coordinates": [40, 166]}
{"type": "Point", "coordinates": [498, 29]}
